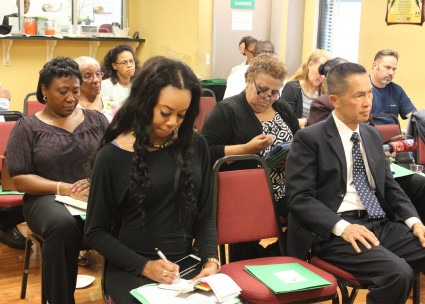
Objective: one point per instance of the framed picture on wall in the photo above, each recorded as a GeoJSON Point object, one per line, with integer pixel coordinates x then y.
{"type": "Point", "coordinates": [405, 12]}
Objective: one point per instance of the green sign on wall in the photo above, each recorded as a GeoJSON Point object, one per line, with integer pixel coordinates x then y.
{"type": "Point", "coordinates": [250, 4]}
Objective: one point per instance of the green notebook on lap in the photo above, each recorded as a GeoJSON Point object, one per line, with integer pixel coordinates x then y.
{"type": "Point", "coordinates": [284, 278]}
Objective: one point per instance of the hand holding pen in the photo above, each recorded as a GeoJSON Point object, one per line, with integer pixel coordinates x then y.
{"type": "Point", "coordinates": [166, 272]}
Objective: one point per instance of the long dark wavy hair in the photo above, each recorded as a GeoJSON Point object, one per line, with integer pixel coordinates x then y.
{"type": "Point", "coordinates": [111, 57]}
{"type": "Point", "coordinates": [56, 68]}
{"type": "Point", "coordinates": [136, 115]}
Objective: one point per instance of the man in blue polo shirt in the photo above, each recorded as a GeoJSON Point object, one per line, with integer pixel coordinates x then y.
{"type": "Point", "coordinates": [388, 97]}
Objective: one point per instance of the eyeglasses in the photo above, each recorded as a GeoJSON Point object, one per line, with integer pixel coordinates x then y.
{"type": "Point", "coordinates": [264, 52]}
{"type": "Point", "coordinates": [275, 95]}
{"type": "Point", "coordinates": [126, 62]}
{"type": "Point", "coordinates": [251, 51]}
{"type": "Point", "coordinates": [89, 77]}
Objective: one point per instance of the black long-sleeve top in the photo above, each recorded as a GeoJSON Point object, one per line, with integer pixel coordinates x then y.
{"type": "Point", "coordinates": [233, 122]}
{"type": "Point", "coordinates": [137, 239]}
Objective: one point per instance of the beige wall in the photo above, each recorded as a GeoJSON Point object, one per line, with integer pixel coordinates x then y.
{"type": "Point", "coordinates": [406, 39]}
{"type": "Point", "coordinates": [178, 29]}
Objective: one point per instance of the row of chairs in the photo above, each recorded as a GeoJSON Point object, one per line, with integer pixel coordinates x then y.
{"type": "Point", "coordinates": [233, 200]}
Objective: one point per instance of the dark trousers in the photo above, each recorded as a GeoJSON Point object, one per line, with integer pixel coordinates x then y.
{"type": "Point", "coordinates": [388, 268]}
{"type": "Point", "coordinates": [9, 219]}
{"type": "Point", "coordinates": [63, 235]}
{"type": "Point", "coordinates": [414, 186]}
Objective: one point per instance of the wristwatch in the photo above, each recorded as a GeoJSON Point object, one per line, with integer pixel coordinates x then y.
{"type": "Point", "coordinates": [213, 260]}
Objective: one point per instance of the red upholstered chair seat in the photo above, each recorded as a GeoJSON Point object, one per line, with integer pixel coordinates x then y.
{"type": "Point", "coordinates": [259, 293]}
{"type": "Point", "coordinates": [338, 272]}
{"type": "Point", "coordinates": [10, 201]}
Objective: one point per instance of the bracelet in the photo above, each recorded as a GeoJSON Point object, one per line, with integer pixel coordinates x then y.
{"type": "Point", "coordinates": [212, 260]}
{"type": "Point", "coordinates": [58, 188]}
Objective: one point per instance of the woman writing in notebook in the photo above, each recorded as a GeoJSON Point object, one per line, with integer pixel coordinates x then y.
{"type": "Point", "coordinates": [150, 186]}
{"type": "Point", "coordinates": [48, 154]}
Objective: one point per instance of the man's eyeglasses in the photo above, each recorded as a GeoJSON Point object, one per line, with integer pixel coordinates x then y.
{"type": "Point", "coordinates": [126, 62]}
{"type": "Point", "coordinates": [89, 77]}
{"type": "Point", "coordinates": [275, 95]}
{"type": "Point", "coordinates": [251, 51]}
{"type": "Point", "coordinates": [264, 52]}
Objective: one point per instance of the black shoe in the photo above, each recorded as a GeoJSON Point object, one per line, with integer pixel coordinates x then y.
{"type": "Point", "coordinates": [13, 238]}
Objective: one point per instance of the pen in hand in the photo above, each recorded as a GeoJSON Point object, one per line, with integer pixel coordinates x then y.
{"type": "Point", "coordinates": [164, 258]}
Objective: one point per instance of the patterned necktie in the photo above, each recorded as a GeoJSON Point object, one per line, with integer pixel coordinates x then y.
{"type": "Point", "coordinates": [368, 198]}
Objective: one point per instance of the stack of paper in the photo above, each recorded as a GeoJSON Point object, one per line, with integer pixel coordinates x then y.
{"type": "Point", "coordinates": [71, 201]}
{"type": "Point", "coordinates": [290, 277]}
{"type": "Point", "coordinates": [224, 290]}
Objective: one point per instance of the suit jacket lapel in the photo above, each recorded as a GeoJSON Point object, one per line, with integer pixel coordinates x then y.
{"type": "Point", "coordinates": [371, 149]}
{"type": "Point", "coordinates": [335, 144]}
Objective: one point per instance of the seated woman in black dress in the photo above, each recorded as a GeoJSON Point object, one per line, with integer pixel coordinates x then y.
{"type": "Point", "coordinates": [253, 122]}
{"type": "Point", "coordinates": [47, 154]}
{"type": "Point", "coordinates": [152, 176]}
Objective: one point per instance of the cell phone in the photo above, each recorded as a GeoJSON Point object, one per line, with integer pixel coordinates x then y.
{"type": "Point", "coordinates": [188, 264]}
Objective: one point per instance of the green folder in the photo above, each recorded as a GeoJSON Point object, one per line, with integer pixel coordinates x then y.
{"type": "Point", "coordinates": [9, 192]}
{"type": "Point", "coordinates": [399, 171]}
{"type": "Point", "coordinates": [284, 278]}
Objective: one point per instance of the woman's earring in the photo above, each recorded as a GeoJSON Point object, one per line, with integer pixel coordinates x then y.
{"type": "Point", "coordinates": [45, 98]}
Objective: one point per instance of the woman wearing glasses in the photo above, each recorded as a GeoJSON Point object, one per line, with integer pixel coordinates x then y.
{"type": "Point", "coordinates": [90, 98]}
{"type": "Point", "coordinates": [253, 123]}
{"type": "Point", "coordinates": [120, 66]}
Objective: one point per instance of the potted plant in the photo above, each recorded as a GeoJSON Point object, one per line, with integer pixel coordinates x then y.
{"type": "Point", "coordinates": [87, 20]}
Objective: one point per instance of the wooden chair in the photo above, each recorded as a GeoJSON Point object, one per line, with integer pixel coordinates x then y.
{"type": "Point", "coordinates": [346, 279]}
{"type": "Point", "coordinates": [245, 211]}
{"type": "Point", "coordinates": [32, 105]}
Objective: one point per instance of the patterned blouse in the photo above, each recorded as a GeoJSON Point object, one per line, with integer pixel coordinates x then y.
{"type": "Point", "coordinates": [280, 130]}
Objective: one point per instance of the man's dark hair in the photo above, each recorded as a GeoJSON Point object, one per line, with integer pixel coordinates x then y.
{"type": "Point", "coordinates": [338, 75]}
{"type": "Point", "coordinates": [264, 46]}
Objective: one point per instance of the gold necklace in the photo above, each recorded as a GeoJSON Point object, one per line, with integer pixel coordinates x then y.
{"type": "Point", "coordinates": [165, 144]}
{"type": "Point", "coordinates": [160, 146]}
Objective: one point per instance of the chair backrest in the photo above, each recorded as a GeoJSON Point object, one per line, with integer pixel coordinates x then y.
{"type": "Point", "coordinates": [207, 103]}
{"type": "Point", "coordinates": [416, 124]}
{"type": "Point", "coordinates": [5, 130]}
{"type": "Point", "coordinates": [31, 104]}
{"type": "Point", "coordinates": [243, 202]}
{"type": "Point", "coordinates": [388, 131]}
{"type": "Point", "coordinates": [10, 115]}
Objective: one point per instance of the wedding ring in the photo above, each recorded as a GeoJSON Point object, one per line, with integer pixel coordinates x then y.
{"type": "Point", "coordinates": [165, 272]}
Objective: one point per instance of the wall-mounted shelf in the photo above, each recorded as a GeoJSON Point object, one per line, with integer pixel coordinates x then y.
{"type": "Point", "coordinates": [51, 42]}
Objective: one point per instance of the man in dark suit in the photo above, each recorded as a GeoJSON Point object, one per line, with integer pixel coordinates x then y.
{"type": "Point", "coordinates": [327, 213]}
